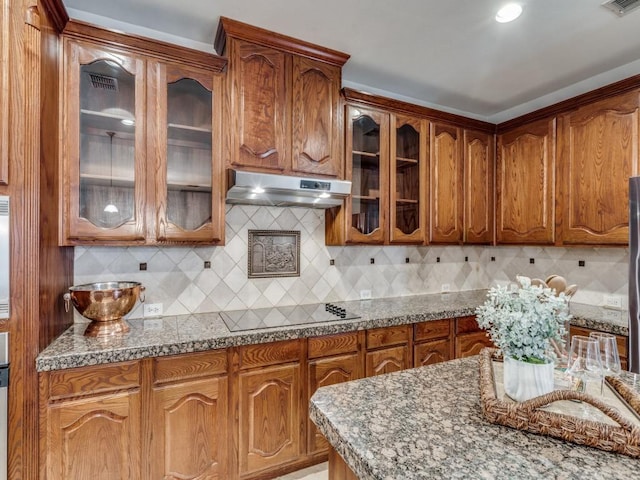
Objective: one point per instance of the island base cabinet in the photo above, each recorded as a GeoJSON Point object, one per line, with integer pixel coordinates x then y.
{"type": "Point", "coordinates": [95, 438]}
{"type": "Point", "coordinates": [270, 418]}
{"type": "Point", "coordinates": [338, 469]}
{"type": "Point", "coordinates": [189, 430]}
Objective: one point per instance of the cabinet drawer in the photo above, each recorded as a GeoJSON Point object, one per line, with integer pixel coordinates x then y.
{"type": "Point", "coordinates": [333, 345]}
{"type": "Point", "coordinates": [383, 337]}
{"type": "Point", "coordinates": [94, 379]}
{"type": "Point", "coordinates": [432, 330]}
{"type": "Point", "coordinates": [189, 366]}
{"type": "Point", "coordinates": [467, 325]}
{"type": "Point", "coordinates": [269, 354]}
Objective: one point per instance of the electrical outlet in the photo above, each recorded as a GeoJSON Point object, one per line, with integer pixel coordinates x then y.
{"type": "Point", "coordinates": [153, 324]}
{"type": "Point", "coordinates": [612, 315]}
{"type": "Point", "coordinates": [613, 301]}
{"type": "Point", "coordinates": [446, 288]}
{"type": "Point", "coordinates": [152, 310]}
{"type": "Point", "coordinates": [365, 294]}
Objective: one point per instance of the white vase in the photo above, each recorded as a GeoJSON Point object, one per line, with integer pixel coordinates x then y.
{"type": "Point", "coordinates": [524, 380]}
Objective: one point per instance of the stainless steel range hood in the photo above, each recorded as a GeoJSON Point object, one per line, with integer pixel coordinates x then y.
{"type": "Point", "coordinates": [251, 188]}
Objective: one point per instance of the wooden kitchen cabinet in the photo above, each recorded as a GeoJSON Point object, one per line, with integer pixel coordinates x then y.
{"type": "Point", "coordinates": [479, 175]}
{"type": "Point", "coordinates": [367, 153]}
{"type": "Point", "coordinates": [140, 149]}
{"type": "Point", "coordinates": [332, 359]}
{"type": "Point", "coordinates": [5, 52]}
{"type": "Point", "coordinates": [269, 407]}
{"type": "Point", "coordinates": [91, 416]}
{"type": "Point", "coordinates": [432, 342]}
{"type": "Point", "coordinates": [525, 187]}
{"type": "Point", "coordinates": [408, 178]}
{"type": "Point", "coordinates": [597, 153]}
{"type": "Point", "coordinates": [387, 163]}
{"type": "Point", "coordinates": [469, 338]}
{"type": "Point", "coordinates": [189, 417]}
{"type": "Point", "coordinates": [284, 105]}
{"type": "Point", "coordinates": [446, 184]}
{"type": "Point", "coordinates": [388, 350]}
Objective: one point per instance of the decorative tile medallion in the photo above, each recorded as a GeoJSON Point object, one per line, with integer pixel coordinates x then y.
{"type": "Point", "coordinates": [274, 253]}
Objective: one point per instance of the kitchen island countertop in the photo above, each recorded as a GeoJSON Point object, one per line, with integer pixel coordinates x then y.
{"type": "Point", "coordinates": [173, 335]}
{"type": "Point", "coordinates": [427, 423]}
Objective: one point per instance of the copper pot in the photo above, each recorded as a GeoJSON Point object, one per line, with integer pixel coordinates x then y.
{"type": "Point", "coordinates": [105, 304]}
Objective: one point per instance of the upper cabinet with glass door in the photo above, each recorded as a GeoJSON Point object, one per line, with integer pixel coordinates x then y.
{"type": "Point", "coordinates": [367, 149]}
{"type": "Point", "coordinates": [408, 179]}
{"type": "Point", "coordinates": [140, 145]}
{"type": "Point", "coordinates": [103, 144]}
{"type": "Point", "coordinates": [189, 185]}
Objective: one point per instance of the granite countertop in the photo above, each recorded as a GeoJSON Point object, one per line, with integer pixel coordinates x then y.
{"type": "Point", "coordinates": [206, 331]}
{"type": "Point", "coordinates": [427, 423]}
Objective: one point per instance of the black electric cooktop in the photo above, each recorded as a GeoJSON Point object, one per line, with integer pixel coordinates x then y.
{"type": "Point", "coordinates": [275, 317]}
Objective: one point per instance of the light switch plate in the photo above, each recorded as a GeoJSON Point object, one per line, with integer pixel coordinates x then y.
{"type": "Point", "coordinates": [612, 301]}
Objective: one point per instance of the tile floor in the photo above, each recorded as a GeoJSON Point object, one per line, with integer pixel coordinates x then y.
{"type": "Point", "coordinates": [316, 472]}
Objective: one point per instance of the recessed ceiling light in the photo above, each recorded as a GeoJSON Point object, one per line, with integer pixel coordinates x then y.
{"type": "Point", "coordinates": [508, 13]}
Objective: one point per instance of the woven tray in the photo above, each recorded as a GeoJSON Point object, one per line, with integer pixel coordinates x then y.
{"type": "Point", "coordinates": [622, 435]}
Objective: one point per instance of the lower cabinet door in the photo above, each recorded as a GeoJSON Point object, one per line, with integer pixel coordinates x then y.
{"type": "Point", "coordinates": [324, 372]}
{"type": "Point", "coordinates": [189, 430]}
{"type": "Point", "coordinates": [432, 352]}
{"type": "Point", "coordinates": [470, 344]}
{"type": "Point", "coordinates": [95, 438]}
{"type": "Point", "coordinates": [387, 360]}
{"type": "Point", "coordinates": [269, 417]}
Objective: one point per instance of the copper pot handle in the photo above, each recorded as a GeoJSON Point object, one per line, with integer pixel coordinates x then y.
{"type": "Point", "coordinates": [142, 294]}
{"type": "Point", "coordinates": [67, 299]}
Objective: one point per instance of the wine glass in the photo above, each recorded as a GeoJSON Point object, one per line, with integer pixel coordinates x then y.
{"type": "Point", "coordinates": [584, 363]}
{"type": "Point", "coordinates": [609, 355]}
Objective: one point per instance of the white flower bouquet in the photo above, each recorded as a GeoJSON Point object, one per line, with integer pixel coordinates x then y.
{"type": "Point", "coordinates": [524, 323]}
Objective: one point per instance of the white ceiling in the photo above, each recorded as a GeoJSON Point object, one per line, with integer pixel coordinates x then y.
{"type": "Point", "coordinates": [449, 54]}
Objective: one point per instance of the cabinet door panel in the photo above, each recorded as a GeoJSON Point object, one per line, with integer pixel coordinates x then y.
{"type": "Point", "coordinates": [408, 179]}
{"type": "Point", "coordinates": [96, 438]}
{"type": "Point", "coordinates": [315, 118]}
{"type": "Point", "coordinates": [270, 422]}
{"type": "Point", "coordinates": [104, 148]}
{"type": "Point", "coordinates": [599, 152]}
{"type": "Point", "coordinates": [5, 66]}
{"type": "Point", "coordinates": [185, 138]}
{"type": "Point", "coordinates": [478, 187]}
{"type": "Point", "coordinates": [446, 184]}
{"type": "Point", "coordinates": [387, 360]}
{"type": "Point", "coordinates": [189, 430]}
{"type": "Point", "coordinates": [429, 353]}
{"type": "Point", "coordinates": [471, 344]}
{"type": "Point", "coordinates": [258, 106]}
{"type": "Point", "coordinates": [367, 154]}
{"type": "Point", "coordinates": [324, 372]}
{"type": "Point", "coordinates": [525, 184]}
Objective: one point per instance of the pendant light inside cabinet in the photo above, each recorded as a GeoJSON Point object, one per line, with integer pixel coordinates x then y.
{"type": "Point", "coordinates": [111, 207]}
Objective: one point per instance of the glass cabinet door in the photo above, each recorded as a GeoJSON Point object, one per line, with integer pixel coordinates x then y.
{"type": "Point", "coordinates": [105, 127]}
{"type": "Point", "coordinates": [189, 191]}
{"type": "Point", "coordinates": [408, 179]}
{"type": "Point", "coordinates": [368, 148]}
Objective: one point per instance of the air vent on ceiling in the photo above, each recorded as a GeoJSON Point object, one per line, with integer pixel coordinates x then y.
{"type": "Point", "coordinates": [103, 81]}
{"type": "Point", "coordinates": [621, 7]}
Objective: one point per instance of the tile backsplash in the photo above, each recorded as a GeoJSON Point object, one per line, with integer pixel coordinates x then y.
{"type": "Point", "coordinates": [176, 276]}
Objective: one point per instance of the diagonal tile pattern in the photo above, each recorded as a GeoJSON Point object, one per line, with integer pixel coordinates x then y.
{"type": "Point", "coordinates": [176, 276]}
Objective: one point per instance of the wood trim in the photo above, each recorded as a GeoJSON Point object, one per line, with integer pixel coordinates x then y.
{"type": "Point", "coordinates": [145, 46]}
{"type": "Point", "coordinates": [234, 29]}
{"type": "Point", "coordinates": [611, 90]}
{"type": "Point", "coordinates": [57, 13]}
{"type": "Point", "coordinates": [399, 106]}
